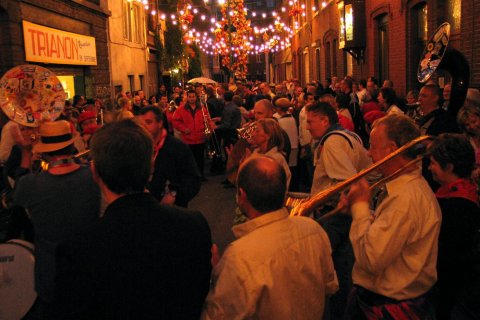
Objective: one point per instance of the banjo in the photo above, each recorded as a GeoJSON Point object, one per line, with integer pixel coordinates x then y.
{"type": "Point", "coordinates": [17, 293]}
{"type": "Point", "coordinates": [29, 95]}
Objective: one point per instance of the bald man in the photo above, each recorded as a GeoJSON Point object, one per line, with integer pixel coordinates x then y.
{"type": "Point", "coordinates": [287, 277]}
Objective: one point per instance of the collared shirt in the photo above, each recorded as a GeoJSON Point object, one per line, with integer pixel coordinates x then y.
{"type": "Point", "coordinates": [280, 267]}
{"type": "Point", "coordinates": [338, 161]}
{"type": "Point", "coordinates": [396, 248]}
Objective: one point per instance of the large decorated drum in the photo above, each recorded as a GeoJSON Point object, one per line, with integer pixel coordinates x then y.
{"type": "Point", "coordinates": [30, 94]}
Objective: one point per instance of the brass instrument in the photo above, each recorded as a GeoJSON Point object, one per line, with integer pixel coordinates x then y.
{"type": "Point", "coordinates": [213, 148]}
{"type": "Point", "coordinates": [438, 54]}
{"type": "Point", "coordinates": [302, 207]}
{"type": "Point", "coordinates": [247, 131]}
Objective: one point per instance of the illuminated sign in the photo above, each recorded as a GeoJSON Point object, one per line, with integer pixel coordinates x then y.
{"type": "Point", "coordinates": [48, 45]}
{"type": "Point", "coordinates": [349, 22]}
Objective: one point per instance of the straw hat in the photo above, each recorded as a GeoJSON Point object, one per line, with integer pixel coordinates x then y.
{"type": "Point", "coordinates": [54, 135]}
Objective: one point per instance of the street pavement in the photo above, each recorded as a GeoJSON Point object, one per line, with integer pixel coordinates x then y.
{"type": "Point", "coordinates": [218, 206]}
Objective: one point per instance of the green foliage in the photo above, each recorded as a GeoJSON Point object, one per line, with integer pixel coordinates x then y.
{"type": "Point", "coordinates": [195, 69]}
{"type": "Point", "coordinates": [173, 46]}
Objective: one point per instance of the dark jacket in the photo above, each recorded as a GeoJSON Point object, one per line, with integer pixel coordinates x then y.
{"type": "Point", "coordinates": [457, 255]}
{"type": "Point", "coordinates": [142, 261]}
{"type": "Point", "coordinates": [176, 164]}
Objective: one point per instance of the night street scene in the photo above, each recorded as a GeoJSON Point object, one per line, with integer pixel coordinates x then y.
{"type": "Point", "coordinates": [240, 159]}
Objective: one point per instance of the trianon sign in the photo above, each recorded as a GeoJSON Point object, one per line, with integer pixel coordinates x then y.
{"type": "Point", "coordinates": [48, 45]}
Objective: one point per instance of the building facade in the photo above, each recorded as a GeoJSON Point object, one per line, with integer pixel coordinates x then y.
{"type": "Point", "coordinates": [54, 34]}
{"type": "Point", "coordinates": [133, 53]}
{"type": "Point", "coordinates": [395, 35]}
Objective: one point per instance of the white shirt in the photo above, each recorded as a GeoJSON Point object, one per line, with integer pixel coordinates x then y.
{"type": "Point", "coordinates": [304, 135]}
{"type": "Point", "coordinates": [280, 267]}
{"type": "Point", "coordinates": [289, 125]}
{"type": "Point", "coordinates": [396, 248]}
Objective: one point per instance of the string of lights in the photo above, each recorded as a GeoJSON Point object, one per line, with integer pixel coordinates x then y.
{"type": "Point", "coordinates": [275, 37]}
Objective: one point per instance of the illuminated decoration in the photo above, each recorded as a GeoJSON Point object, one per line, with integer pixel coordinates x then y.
{"type": "Point", "coordinates": [279, 32]}
{"type": "Point", "coordinates": [352, 27]}
{"type": "Point", "coordinates": [185, 18]}
{"type": "Point", "coordinates": [231, 38]}
{"type": "Point", "coordinates": [349, 22]}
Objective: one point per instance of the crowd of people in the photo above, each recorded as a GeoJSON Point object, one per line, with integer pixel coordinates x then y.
{"type": "Point", "coordinates": [125, 245]}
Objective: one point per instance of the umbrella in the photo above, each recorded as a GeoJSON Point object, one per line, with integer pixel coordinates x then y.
{"type": "Point", "coordinates": [201, 80]}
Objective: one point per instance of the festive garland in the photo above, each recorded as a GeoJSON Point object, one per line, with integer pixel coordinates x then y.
{"type": "Point", "coordinates": [231, 38]}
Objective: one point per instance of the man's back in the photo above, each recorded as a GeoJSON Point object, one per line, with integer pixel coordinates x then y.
{"type": "Point", "coordinates": [59, 206]}
{"type": "Point", "coordinates": [279, 268]}
{"type": "Point", "coordinates": [142, 261]}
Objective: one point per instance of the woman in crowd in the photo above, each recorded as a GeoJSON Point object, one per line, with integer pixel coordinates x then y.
{"type": "Point", "coordinates": [413, 109]}
{"type": "Point", "coordinates": [268, 140]}
{"type": "Point", "coordinates": [387, 99]}
{"type": "Point", "coordinates": [452, 162]}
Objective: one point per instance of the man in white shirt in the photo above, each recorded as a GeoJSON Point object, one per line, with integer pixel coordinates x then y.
{"type": "Point", "coordinates": [280, 267]}
{"type": "Point", "coordinates": [396, 246]}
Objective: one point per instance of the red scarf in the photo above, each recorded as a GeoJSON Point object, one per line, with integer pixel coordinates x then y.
{"type": "Point", "coordinates": [460, 188]}
{"type": "Point", "coordinates": [160, 143]}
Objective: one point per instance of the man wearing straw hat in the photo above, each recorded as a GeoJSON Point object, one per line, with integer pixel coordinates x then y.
{"type": "Point", "coordinates": [61, 201]}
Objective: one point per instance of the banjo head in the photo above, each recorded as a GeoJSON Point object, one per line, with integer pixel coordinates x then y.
{"type": "Point", "coordinates": [17, 292]}
{"type": "Point", "coordinates": [30, 94]}
{"type": "Point", "coordinates": [433, 53]}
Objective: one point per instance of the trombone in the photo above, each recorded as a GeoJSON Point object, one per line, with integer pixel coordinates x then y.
{"type": "Point", "coordinates": [303, 207]}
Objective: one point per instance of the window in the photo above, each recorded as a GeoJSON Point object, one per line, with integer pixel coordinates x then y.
{"type": "Point", "coordinates": [382, 47]}
{"type": "Point", "coordinates": [334, 56]}
{"type": "Point", "coordinates": [258, 58]}
{"type": "Point", "coordinates": [454, 14]}
{"type": "Point", "coordinates": [317, 63]}
{"type": "Point", "coordinates": [418, 39]}
{"type": "Point", "coordinates": [118, 89]}
{"type": "Point", "coordinates": [131, 80]}
{"type": "Point", "coordinates": [328, 67]}
{"type": "Point", "coordinates": [348, 63]}
{"type": "Point", "coordinates": [127, 24]}
{"type": "Point", "coordinates": [142, 79]}
{"type": "Point", "coordinates": [306, 63]}
{"type": "Point", "coordinates": [132, 22]}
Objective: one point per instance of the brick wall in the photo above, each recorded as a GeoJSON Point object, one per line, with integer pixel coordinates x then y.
{"type": "Point", "coordinates": [402, 62]}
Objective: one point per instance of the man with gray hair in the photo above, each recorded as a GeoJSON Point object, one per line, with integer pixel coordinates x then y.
{"type": "Point", "coordinates": [396, 246]}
